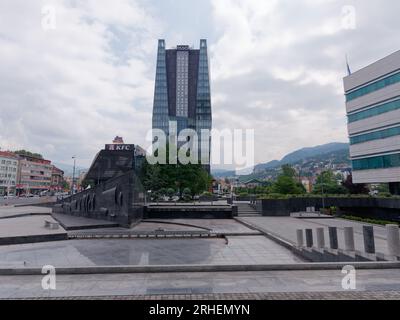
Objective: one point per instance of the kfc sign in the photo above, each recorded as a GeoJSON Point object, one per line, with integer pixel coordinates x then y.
{"type": "Point", "coordinates": [120, 147]}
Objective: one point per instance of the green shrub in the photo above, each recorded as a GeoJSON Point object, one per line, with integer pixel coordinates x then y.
{"type": "Point", "coordinates": [368, 220]}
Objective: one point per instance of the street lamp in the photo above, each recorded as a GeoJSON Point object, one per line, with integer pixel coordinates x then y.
{"type": "Point", "coordinates": [73, 176]}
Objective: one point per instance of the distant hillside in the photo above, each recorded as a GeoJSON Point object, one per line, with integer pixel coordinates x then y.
{"type": "Point", "coordinates": [335, 152]}
{"type": "Point", "coordinates": [314, 151]}
{"type": "Point", "coordinates": [303, 154]}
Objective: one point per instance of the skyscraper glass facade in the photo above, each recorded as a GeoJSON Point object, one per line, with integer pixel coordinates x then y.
{"type": "Point", "coordinates": [182, 91]}
{"type": "Point", "coordinates": [160, 104]}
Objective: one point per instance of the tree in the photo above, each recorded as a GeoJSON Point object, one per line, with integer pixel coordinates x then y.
{"type": "Point", "coordinates": [352, 188]}
{"type": "Point", "coordinates": [28, 154]}
{"type": "Point", "coordinates": [383, 188]}
{"type": "Point", "coordinates": [288, 171]}
{"type": "Point", "coordinates": [286, 182]}
{"type": "Point", "coordinates": [327, 183]}
{"type": "Point", "coordinates": [65, 186]}
{"type": "Point", "coordinates": [177, 177]}
{"type": "Point", "coordinates": [170, 193]}
{"type": "Point", "coordinates": [187, 194]}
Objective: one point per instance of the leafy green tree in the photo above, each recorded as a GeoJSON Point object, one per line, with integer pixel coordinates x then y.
{"type": "Point", "coordinates": [170, 193]}
{"type": "Point", "coordinates": [186, 194]}
{"type": "Point", "coordinates": [286, 182]}
{"type": "Point", "coordinates": [383, 188]}
{"type": "Point", "coordinates": [288, 171]}
{"type": "Point", "coordinates": [28, 153]}
{"type": "Point", "coordinates": [327, 183]}
{"type": "Point", "coordinates": [65, 186]}
{"type": "Point", "coordinates": [175, 176]}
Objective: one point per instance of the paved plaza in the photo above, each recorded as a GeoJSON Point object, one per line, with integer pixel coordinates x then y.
{"type": "Point", "coordinates": [13, 211]}
{"type": "Point", "coordinates": [296, 284]}
{"type": "Point", "coordinates": [112, 252]}
{"type": "Point", "coordinates": [240, 243]}
{"type": "Point", "coordinates": [25, 201]}
{"type": "Point", "coordinates": [285, 228]}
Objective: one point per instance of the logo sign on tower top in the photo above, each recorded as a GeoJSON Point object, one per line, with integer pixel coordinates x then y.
{"type": "Point", "coordinates": [120, 147]}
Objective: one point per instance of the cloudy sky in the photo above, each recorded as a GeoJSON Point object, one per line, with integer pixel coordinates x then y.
{"type": "Point", "coordinates": [69, 85]}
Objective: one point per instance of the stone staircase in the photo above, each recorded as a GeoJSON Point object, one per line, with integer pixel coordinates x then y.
{"type": "Point", "coordinates": [246, 210]}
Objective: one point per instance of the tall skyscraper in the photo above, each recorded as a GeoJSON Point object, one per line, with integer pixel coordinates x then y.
{"type": "Point", "coordinates": [373, 111]}
{"type": "Point", "coordinates": [182, 98]}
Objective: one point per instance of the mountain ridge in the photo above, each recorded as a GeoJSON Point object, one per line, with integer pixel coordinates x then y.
{"type": "Point", "coordinates": [293, 157]}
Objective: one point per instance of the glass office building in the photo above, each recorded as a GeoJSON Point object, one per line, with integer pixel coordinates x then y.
{"type": "Point", "coordinates": [373, 112]}
{"type": "Point", "coordinates": [182, 97]}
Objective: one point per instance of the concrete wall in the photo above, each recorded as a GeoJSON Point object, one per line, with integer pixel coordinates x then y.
{"type": "Point", "coordinates": [382, 120]}
{"type": "Point", "coordinates": [375, 146]}
{"type": "Point", "coordinates": [378, 175]}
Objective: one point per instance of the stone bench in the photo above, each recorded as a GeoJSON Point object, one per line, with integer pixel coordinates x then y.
{"type": "Point", "coordinates": [51, 225]}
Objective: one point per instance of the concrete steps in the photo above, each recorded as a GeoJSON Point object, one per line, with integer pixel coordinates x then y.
{"type": "Point", "coordinates": [246, 210]}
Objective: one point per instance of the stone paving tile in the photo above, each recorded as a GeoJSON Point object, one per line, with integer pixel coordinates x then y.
{"type": "Point", "coordinates": [200, 283]}
{"type": "Point", "coordinates": [238, 250]}
{"type": "Point", "coordinates": [380, 295]}
{"type": "Point", "coordinates": [27, 226]}
{"type": "Point", "coordinates": [285, 228]}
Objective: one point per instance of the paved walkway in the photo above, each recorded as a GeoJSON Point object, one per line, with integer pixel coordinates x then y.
{"type": "Point", "coordinates": [11, 211]}
{"type": "Point", "coordinates": [317, 284]}
{"type": "Point", "coordinates": [380, 295]}
{"type": "Point", "coordinates": [25, 201]}
{"type": "Point", "coordinates": [110, 252]}
{"type": "Point", "coordinates": [225, 226]}
{"type": "Point", "coordinates": [285, 228]}
{"type": "Point", "coordinates": [27, 229]}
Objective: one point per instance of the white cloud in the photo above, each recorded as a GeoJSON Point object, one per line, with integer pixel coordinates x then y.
{"type": "Point", "coordinates": [281, 63]}
{"type": "Point", "coordinates": [276, 66]}
{"type": "Point", "coordinates": [70, 90]}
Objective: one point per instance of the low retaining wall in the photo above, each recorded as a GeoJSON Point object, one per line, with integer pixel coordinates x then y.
{"type": "Point", "coordinates": [33, 238]}
{"type": "Point", "coordinates": [382, 208]}
{"type": "Point", "coordinates": [201, 268]}
{"type": "Point", "coordinates": [189, 212]}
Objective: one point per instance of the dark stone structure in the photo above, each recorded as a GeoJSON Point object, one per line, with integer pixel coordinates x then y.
{"type": "Point", "coordinates": [394, 188]}
{"type": "Point", "coordinates": [190, 212]}
{"type": "Point", "coordinates": [369, 207]}
{"type": "Point", "coordinates": [116, 193]}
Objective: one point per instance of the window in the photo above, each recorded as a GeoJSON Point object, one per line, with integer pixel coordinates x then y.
{"type": "Point", "coordinates": [382, 134]}
{"type": "Point", "coordinates": [380, 162]}
{"type": "Point", "coordinates": [374, 111]}
{"type": "Point", "coordinates": [377, 85]}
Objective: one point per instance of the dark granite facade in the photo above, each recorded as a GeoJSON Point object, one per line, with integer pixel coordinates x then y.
{"type": "Point", "coordinates": [119, 199]}
{"type": "Point", "coordinates": [116, 193]}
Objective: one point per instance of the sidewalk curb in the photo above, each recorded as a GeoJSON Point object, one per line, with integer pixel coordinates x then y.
{"type": "Point", "coordinates": [201, 268]}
